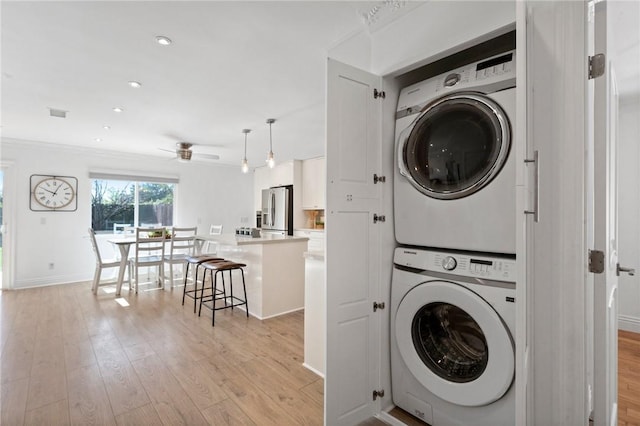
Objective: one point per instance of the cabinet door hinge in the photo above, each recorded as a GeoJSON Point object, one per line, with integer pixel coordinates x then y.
{"type": "Point", "coordinates": [596, 65]}
{"type": "Point", "coordinates": [378, 305]}
{"type": "Point", "coordinates": [596, 261]}
{"type": "Point", "coordinates": [381, 179]}
{"type": "Point", "coordinates": [378, 393]}
{"type": "Point", "coordinates": [378, 218]}
{"type": "Point", "coordinates": [378, 94]}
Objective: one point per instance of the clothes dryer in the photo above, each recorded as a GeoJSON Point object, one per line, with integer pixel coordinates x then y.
{"type": "Point", "coordinates": [452, 344]}
{"type": "Point", "coordinates": [454, 182]}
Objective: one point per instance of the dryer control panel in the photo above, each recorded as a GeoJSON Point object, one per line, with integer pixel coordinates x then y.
{"type": "Point", "coordinates": [465, 265]}
{"type": "Point", "coordinates": [487, 76]}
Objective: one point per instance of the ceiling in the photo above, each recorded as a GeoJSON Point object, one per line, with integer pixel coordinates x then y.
{"type": "Point", "coordinates": [231, 65]}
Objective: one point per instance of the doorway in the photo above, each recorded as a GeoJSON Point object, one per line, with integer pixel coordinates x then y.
{"type": "Point", "coordinates": [6, 221]}
{"type": "Point", "coordinates": [1, 227]}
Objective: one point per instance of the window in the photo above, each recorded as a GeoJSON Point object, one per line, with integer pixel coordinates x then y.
{"type": "Point", "coordinates": [120, 202]}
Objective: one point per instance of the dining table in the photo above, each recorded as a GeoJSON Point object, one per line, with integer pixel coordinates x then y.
{"type": "Point", "coordinates": [124, 246]}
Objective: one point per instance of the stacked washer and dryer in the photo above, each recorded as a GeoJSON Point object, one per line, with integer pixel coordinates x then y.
{"type": "Point", "coordinates": [453, 285]}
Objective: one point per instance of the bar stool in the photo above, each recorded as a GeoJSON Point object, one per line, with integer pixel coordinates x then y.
{"type": "Point", "coordinates": [197, 261]}
{"type": "Point", "coordinates": [230, 301]}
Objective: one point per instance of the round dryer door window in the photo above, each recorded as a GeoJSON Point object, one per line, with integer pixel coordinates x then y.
{"type": "Point", "coordinates": [456, 146]}
{"type": "Point", "coordinates": [455, 344]}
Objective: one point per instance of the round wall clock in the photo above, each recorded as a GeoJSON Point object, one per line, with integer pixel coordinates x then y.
{"type": "Point", "coordinates": [53, 193]}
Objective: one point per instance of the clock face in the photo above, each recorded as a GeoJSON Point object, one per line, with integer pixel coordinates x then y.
{"type": "Point", "coordinates": [53, 193]}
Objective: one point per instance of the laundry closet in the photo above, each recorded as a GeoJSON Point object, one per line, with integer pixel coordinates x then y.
{"type": "Point", "coordinates": [363, 205]}
{"type": "Point", "coordinates": [365, 77]}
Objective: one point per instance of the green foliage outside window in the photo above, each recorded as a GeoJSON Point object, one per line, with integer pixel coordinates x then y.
{"type": "Point", "coordinates": [114, 203]}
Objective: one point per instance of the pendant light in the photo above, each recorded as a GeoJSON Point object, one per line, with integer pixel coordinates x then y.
{"type": "Point", "coordinates": [270, 161]}
{"type": "Point", "coordinates": [245, 163]}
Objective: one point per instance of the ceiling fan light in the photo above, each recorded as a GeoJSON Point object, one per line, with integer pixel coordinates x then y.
{"type": "Point", "coordinates": [184, 154]}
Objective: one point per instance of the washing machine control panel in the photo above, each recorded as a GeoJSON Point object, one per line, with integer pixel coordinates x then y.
{"type": "Point", "coordinates": [449, 263]}
{"type": "Point", "coordinates": [468, 265]}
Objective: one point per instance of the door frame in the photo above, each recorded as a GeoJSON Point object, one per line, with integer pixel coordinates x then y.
{"type": "Point", "coordinates": [8, 217]}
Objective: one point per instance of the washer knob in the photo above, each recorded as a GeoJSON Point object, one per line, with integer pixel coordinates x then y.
{"type": "Point", "coordinates": [449, 263]}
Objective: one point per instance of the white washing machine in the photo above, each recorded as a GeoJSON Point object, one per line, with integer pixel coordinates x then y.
{"type": "Point", "coordinates": [454, 184]}
{"type": "Point", "coordinates": [452, 345]}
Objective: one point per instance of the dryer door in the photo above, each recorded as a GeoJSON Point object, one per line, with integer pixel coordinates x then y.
{"type": "Point", "coordinates": [456, 145]}
{"type": "Point", "coordinates": [455, 344]}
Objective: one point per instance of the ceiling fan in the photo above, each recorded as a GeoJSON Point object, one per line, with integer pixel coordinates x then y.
{"type": "Point", "coordinates": [184, 152]}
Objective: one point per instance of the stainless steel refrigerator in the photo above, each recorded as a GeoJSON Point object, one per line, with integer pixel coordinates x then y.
{"type": "Point", "coordinates": [277, 210]}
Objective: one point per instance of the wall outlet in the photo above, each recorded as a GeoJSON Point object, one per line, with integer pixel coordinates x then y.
{"type": "Point", "coordinates": [43, 221]}
{"type": "Point", "coordinates": [244, 219]}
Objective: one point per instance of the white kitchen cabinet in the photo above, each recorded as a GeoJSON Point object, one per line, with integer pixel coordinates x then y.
{"type": "Point", "coordinates": [314, 311]}
{"type": "Point", "coordinates": [282, 174]}
{"type": "Point", "coordinates": [316, 238]}
{"type": "Point", "coordinates": [313, 183]}
{"type": "Point", "coordinates": [261, 180]}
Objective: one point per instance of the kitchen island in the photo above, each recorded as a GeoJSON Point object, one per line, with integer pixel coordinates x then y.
{"type": "Point", "coordinates": [275, 272]}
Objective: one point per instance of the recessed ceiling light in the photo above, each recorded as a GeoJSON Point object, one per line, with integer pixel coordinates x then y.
{"type": "Point", "coordinates": [165, 41]}
{"type": "Point", "coordinates": [135, 84]}
{"type": "Point", "coordinates": [98, 139]}
{"type": "Point", "coordinates": [118, 109]}
{"type": "Point", "coordinates": [106, 127]}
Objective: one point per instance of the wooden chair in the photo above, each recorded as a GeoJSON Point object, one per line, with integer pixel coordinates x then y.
{"type": "Point", "coordinates": [149, 252]}
{"type": "Point", "coordinates": [211, 247]}
{"type": "Point", "coordinates": [183, 242]}
{"type": "Point", "coordinates": [102, 264]}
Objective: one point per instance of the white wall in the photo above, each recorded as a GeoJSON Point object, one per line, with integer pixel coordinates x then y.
{"type": "Point", "coordinates": [629, 211]}
{"type": "Point", "coordinates": [625, 54]}
{"type": "Point", "coordinates": [207, 193]}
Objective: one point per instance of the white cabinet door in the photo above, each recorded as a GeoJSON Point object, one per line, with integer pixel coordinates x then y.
{"type": "Point", "coordinates": [282, 174]}
{"type": "Point", "coordinates": [313, 183]}
{"type": "Point", "coordinates": [261, 180]}
{"type": "Point", "coordinates": [353, 245]}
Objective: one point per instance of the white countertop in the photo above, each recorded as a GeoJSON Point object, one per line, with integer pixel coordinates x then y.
{"type": "Point", "coordinates": [240, 240]}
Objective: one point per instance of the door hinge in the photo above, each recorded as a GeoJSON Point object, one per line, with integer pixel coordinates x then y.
{"type": "Point", "coordinates": [376, 179]}
{"type": "Point", "coordinates": [378, 394]}
{"type": "Point", "coordinates": [596, 261]}
{"type": "Point", "coordinates": [378, 305]}
{"type": "Point", "coordinates": [377, 218]}
{"type": "Point", "coordinates": [596, 65]}
{"type": "Point", "coordinates": [378, 94]}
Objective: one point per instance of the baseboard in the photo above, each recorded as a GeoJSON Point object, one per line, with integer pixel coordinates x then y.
{"type": "Point", "coordinates": [242, 308]}
{"type": "Point", "coordinates": [389, 419]}
{"type": "Point", "coordinates": [51, 280]}
{"type": "Point", "coordinates": [308, 367]}
{"type": "Point", "coordinates": [629, 323]}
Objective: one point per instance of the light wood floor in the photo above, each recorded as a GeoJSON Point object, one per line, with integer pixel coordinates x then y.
{"type": "Point", "coordinates": [69, 357]}
{"type": "Point", "coordinates": [628, 378]}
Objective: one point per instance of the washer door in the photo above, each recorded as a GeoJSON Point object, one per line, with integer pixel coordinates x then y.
{"type": "Point", "coordinates": [456, 145]}
{"type": "Point", "coordinates": [454, 343]}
